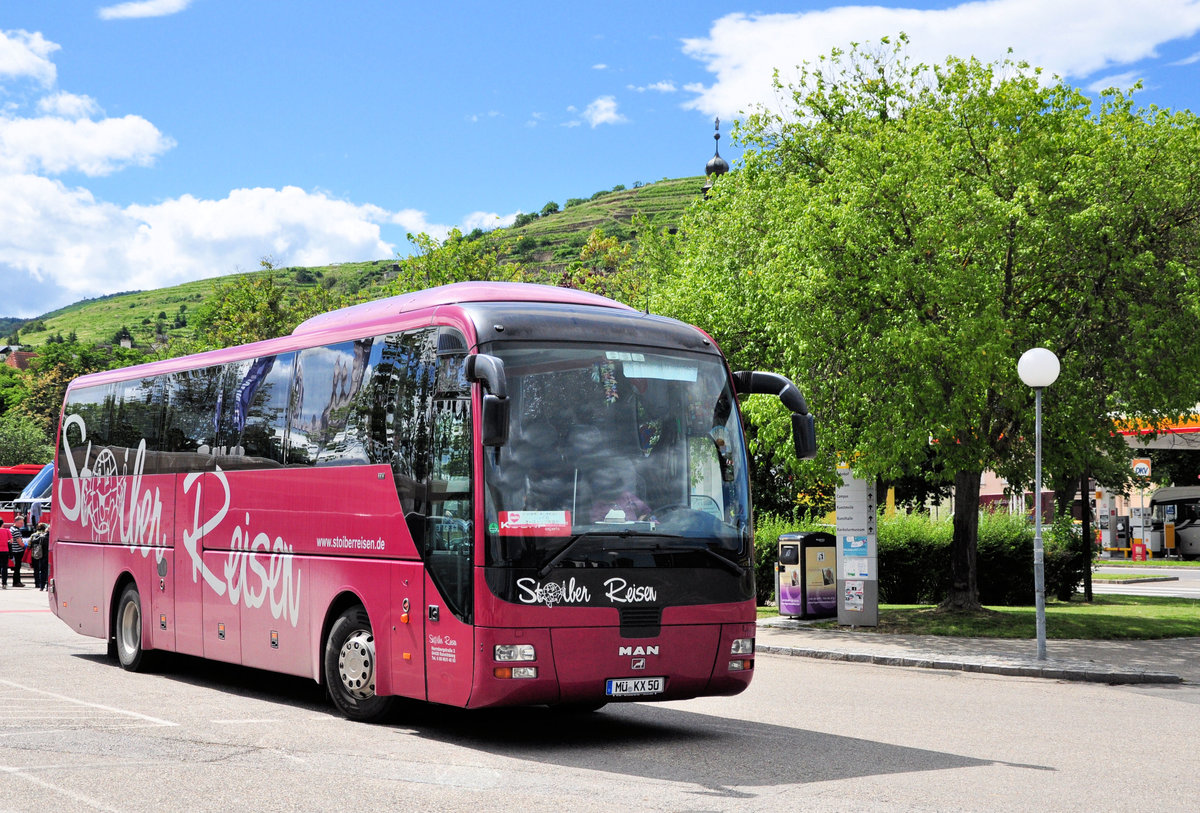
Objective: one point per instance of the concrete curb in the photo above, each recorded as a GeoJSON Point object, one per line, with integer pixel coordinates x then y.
{"type": "Point", "coordinates": [1054, 670]}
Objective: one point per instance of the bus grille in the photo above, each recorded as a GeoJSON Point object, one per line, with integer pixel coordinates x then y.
{"type": "Point", "coordinates": [641, 622]}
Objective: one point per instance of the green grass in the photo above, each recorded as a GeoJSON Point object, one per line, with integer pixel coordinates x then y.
{"type": "Point", "coordinates": [97, 320]}
{"type": "Point", "coordinates": [1126, 577]}
{"type": "Point", "coordinates": [1147, 563]}
{"type": "Point", "coordinates": [1105, 618]}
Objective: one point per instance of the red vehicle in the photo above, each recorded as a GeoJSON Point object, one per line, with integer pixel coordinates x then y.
{"type": "Point", "coordinates": [479, 495]}
{"type": "Point", "coordinates": [13, 480]}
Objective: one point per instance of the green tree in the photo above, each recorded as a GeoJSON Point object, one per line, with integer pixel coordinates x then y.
{"type": "Point", "coordinates": [901, 236]}
{"type": "Point", "coordinates": [23, 441]}
{"type": "Point", "coordinates": [456, 259]}
{"type": "Point", "coordinates": [12, 387]}
{"type": "Point", "coordinates": [53, 369]}
{"type": "Point", "coordinates": [252, 307]}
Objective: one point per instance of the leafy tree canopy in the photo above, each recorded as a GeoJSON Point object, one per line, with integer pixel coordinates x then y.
{"type": "Point", "coordinates": [22, 441]}
{"type": "Point", "coordinates": [905, 232]}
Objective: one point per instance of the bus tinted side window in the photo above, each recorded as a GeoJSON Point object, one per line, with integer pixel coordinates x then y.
{"type": "Point", "coordinates": [399, 397]}
{"type": "Point", "coordinates": [328, 382]}
{"type": "Point", "coordinates": [93, 406]}
{"type": "Point", "coordinates": [253, 412]}
{"type": "Point", "coordinates": [137, 417]}
{"type": "Point", "coordinates": [190, 432]}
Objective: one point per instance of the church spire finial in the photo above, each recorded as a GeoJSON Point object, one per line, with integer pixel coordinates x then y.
{"type": "Point", "coordinates": [716, 165]}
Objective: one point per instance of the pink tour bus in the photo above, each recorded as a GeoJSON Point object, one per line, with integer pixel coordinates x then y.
{"type": "Point", "coordinates": [479, 495]}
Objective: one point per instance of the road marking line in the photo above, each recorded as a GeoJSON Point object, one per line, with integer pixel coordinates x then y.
{"type": "Point", "coordinates": [114, 710]}
{"type": "Point", "coordinates": [79, 797]}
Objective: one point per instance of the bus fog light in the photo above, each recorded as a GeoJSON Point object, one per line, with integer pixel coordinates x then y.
{"type": "Point", "coordinates": [505, 653]}
{"type": "Point", "coordinates": [742, 646]}
{"type": "Point", "coordinates": [740, 666]}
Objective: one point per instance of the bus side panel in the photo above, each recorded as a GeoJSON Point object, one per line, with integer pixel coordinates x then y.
{"type": "Point", "coordinates": [152, 526]}
{"type": "Point", "coordinates": [220, 627]}
{"type": "Point", "coordinates": [275, 613]}
{"type": "Point", "coordinates": [407, 636]}
{"type": "Point", "coordinates": [449, 650]}
{"type": "Point", "coordinates": [185, 571]}
{"type": "Point", "coordinates": [80, 599]}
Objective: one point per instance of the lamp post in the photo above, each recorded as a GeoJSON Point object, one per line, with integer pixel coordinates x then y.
{"type": "Point", "coordinates": [1038, 368]}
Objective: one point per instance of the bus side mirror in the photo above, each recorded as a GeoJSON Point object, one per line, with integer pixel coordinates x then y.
{"type": "Point", "coordinates": [804, 436]}
{"type": "Point", "coordinates": [804, 430]}
{"type": "Point", "coordinates": [493, 423]}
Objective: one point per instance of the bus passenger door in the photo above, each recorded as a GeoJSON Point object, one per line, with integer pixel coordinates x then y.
{"type": "Point", "coordinates": [449, 634]}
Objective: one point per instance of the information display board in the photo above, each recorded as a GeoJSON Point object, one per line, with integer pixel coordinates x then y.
{"type": "Point", "coordinates": [857, 555]}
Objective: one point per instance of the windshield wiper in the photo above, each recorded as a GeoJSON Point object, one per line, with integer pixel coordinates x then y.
{"type": "Point", "coordinates": [732, 567]}
{"type": "Point", "coordinates": [624, 533]}
{"type": "Point", "coordinates": [659, 547]}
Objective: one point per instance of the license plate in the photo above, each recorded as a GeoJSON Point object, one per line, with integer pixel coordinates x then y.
{"type": "Point", "coordinates": [626, 687]}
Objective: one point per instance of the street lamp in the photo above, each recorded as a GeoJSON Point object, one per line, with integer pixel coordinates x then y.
{"type": "Point", "coordinates": [1038, 368]}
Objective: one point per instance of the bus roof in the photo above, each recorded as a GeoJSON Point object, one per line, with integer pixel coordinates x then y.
{"type": "Point", "coordinates": [363, 320]}
{"type": "Point", "coordinates": [1175, 494]}
{"type": "Point", "coordinates": [381, 311]}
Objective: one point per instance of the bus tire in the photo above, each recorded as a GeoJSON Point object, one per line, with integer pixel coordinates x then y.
{"type": "Point", "coordinates": [127, 631]}
{"type": "Point", "coordinates": [350, 667]}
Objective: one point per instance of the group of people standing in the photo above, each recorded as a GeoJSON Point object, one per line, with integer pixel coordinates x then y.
{"type": "Point", "coordinates": [24, 533]}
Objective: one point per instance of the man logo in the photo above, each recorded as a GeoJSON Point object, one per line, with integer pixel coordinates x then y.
{"type": "Point", "coordinates": [637, 650]}
{"type": "Point", "coordinates": [638, 663]}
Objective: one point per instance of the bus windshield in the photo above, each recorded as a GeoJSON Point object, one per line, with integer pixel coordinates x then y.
{"type": "Point", "coordinates": [615, 456]}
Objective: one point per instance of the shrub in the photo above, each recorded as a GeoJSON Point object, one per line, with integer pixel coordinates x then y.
{"type": "Point", "coordinates": [914, 559]}
{"type": "Point", "coordinates": [1064, 558]}
{"type": "Point", "coordinates": [1005, 559]}
{"type": "Point", "coordinates": [768, 529]}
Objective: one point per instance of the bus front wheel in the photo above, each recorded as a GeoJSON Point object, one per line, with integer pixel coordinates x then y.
{"type": "Point", "coordinates": [127, 631]}
{"type": "Point", "coordinates": [350, 667]}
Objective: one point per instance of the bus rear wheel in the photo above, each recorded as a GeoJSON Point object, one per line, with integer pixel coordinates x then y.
{"type": "Point", "coordinates": [350, 667]}
{"type": "Point", "coordinates": [127, 631]}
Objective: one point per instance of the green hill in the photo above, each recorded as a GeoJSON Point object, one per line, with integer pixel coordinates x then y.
{"type": "Point", "coordinates": [550, 240]}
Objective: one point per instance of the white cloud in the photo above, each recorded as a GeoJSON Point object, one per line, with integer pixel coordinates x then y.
{"type": "Point", "coordinates": [23, 54]}
{"type": "Point", "coordinates": [143, 8]}
{"type": "Point", "coordinates": [603, 111]}
{"type": "Point", "coordinates": [56, 145]}
{"type": "Point", "coordinates": [487, 221]}
{"type": "Point", "coordinates": [60, 243]}
{"type": "Point", "coordinates": [1121, 81]}
{"type": "Point", "coordinates": [1072, 38]}
{"type": "Point", "coordinates": [68, 105]}
{"type": "Point", "coordinates": [665, 86]}
{"type": "Point", "coordinates": [599, 67]}
{"type": "Point", "coordinates": [66, 239]}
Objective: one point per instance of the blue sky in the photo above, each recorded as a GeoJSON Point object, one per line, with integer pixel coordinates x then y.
{"type": "Point", "coordinates": [144, 144]}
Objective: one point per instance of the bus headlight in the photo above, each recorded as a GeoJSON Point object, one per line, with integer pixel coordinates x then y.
{"type": "Point", "coordinates": [506, 653]}
{"type": "Point", "coordinates": [742, 646]}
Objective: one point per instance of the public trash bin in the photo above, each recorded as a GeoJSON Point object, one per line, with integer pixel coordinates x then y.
{"type": "Point", "coordinates": [807, 579]}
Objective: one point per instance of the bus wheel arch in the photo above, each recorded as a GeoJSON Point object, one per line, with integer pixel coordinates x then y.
{"type": "Point", "coordinates": [349, 664]}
